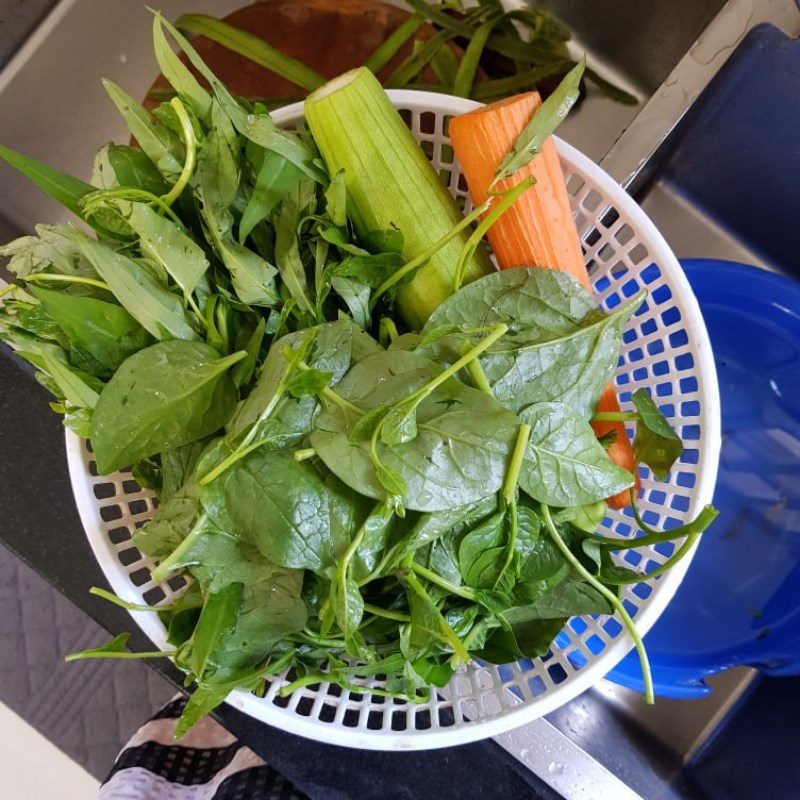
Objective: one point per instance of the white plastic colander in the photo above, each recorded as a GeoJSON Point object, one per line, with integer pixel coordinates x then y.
{"type": "Point", "coordinates": [666, 350]}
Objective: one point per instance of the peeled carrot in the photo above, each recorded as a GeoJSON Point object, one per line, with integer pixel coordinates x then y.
{"type": "Point", "coordinates": [539, 229]}
{"type": "Point", "coordinates": [620, 450]}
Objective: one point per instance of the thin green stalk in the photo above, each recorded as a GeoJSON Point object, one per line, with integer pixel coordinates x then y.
{"type": "Point", "coordinates": [612, 598]}
{"type": "Point", "coordinates": [509, 495]}
{"type": "Point", "coordinates": [118, 601]}
{"type": "Point", "coordinates": [251, 47]}
{"type": "Point", "coordinates": [387, 559]}
{"type": "Point", "coordinates": [191, 152]}
{"type": "Point", "coordinates": [429, 575]}
{"type": "Point", "coordinates": [497, 332]}
{"type": "Point", "coordinates": [447, 633]}
{"type": "Point", "coordinates": [247, 445]}
{"type": "Point", "coordinates": [387, 613]}
{"type": "Point", "coordinates": [49, 276]}
{"type": "Point", "coordinates": [388, 331]}
{"type": "Point", "coordinates": [507, 199]}
{"type": "Point", "coordinates": [615, 416]}
{"type": "Point", "coordinates": [435, 14]}
{"type": "Point", "coordinates": [393, 43]}
{"type": "Point", "coordinates": [124, 654]}
{"type": "Point", "coordinates": [304, 454]}
{"type": "Point", "coordinates": [445, 66]}
{"type": "Point", "coordinates": [509, 490]}
{"type": "Point", "coordinates": [91, 201]}
{"type": "Point", "coordinates": [333, 397]}
{"type": "Point", "coordinates": [468, 68]}
{"type": "Point", "coordinates": [476, 373]}
{"type": "Point", "coordinates": [706, 516]}
{"type": "Point", "coordinates": [502, 87]}
{"type": "Point", "coordinates": [416, 62]}
{"type": "Point", "coordinates": [7, 289]}
{"type": "Point", "coordinates": [427, 254]}
{"type": "Point", "coordinates": [169, 564]}
{"type": "Point", "coordinates": [238, 454]}
{"type": "Point", "coordinates": [307, 680]}
{"type": "Point", "coordinates": [665, 567]}
{"type": "Point", "coordinates": [318, 639]}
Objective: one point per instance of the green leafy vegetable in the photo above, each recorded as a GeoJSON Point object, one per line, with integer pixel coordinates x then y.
{"type": "Point", "coordinates": [162, 397]}
{"type": "Point", "coordinates": [564, 464]}
{"type": "Point", "coordinates": [104, 330]}
{"type": "Point", "coordinates": [547, 118]}
{"type": "Point", "coordinates": [656, 443]}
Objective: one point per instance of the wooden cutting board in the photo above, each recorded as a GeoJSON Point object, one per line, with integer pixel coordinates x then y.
{"type": "Point", "coordinates": [329, 36]}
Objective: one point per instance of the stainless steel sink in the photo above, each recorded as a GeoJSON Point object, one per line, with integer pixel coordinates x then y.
{"type": "Point", "coordinates": [606, 743]}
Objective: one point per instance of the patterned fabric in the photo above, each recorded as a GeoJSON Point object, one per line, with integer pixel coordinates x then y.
{"type": "Point", "coordinates": [206, 764]}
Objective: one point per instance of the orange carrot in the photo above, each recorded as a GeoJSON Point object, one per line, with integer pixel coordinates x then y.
{"type": "Point", "coordinates": [539, 229]}
{"type": "Point", "coordinates": [620, 450]}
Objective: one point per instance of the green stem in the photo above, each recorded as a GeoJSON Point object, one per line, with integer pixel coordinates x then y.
{"type": "Point", "coordinates": [615, 416]}
{"type": "Point", "coordinates": [385, 612]}
{"type": "Point", "coordinates": [448, 635]}
{"type": "Point", "coordinates": [306, 680]}
{"type": "Point", "coordinates": [247, 445]}
{"type": "Point", "coordinates": [123, 655]}
{"type": "Point", "coordinates": [169, 564]}
{"type": "Point", "coordinates": [476, 373]}
{"type": "Point", "coordinates": [465, 76]}
{"type": "Point", "coordinates": [388, 331]}
{"type": "Point", "coordinates": [509, 495]}
{"type": "Point", "coordinates": [191, 152]}
{"type": "Point", "coordinates": [237, 455]}
{"type": "Point", "coordinates": [427, 254]}
{"type": "Point", "coordinates": [517, 457]}
{"type": "Point", "coordinates": [417, 61]}
{"type": "Point", "coordinates": [706, 516]}
{"type": "Point", "coordinates": [118, 601]}
{"type": "Point", "coordinates": [252, 48]}
{"type": "Point", "coordinates": [507, 199]}
{"type": "Point", "coordinates": [324, 641]}
{"type": "Point", "coordinates": [304, 454]}
{"type": "Point", "coordinates": [392, 44]}
{"type": "Point", "coordinates": [612, 598]}
{"type": "Point", "coordinates": [7, 288]}
{"type": "Point", "coordinates": [665, 567]}
{"type": "Point", "coordinates": [91, 201]}
{"type": "Point", "coordinates": [429, 575]}
{"type": "Point", "coordinates": [48, 276]}
{"type": "Point", "coordinates": [497, 332]}
{"type": "Point", "coordinates": [329, 394]}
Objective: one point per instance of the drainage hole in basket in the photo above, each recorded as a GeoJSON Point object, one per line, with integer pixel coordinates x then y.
{"type": "Point", "coordinates": [350, 718]}
{"type": "Point", "coordinates": [129, 556]}
{"type": "Point", "coordinates": [176, 582]}
{"type": "Point", "coordinates": [304, 706]}
{"type": "Point", "coordinates": [140, 577]}
{"type": "Point", "coordinates": [399, 721]}
{"type": "Point", "coordinates": [446, 717]}
{"type": "Point", "coordinates": [110, 513]}
{"type": "Point", "coordinates": [102, 491]}
{"type": "Point", "coordinates": [422, 720]}
{"type": "Point", "coordinates": [138, 507]}
{"type": "Point", "coordinates": [119, 535]}
{"type": "Point", "coordinates": [154, 595]}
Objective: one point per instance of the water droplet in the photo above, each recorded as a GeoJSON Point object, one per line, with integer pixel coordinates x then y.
{"type": "Point", "coordinates": [525, 754]}
{"type": "Point", "coordinates": [554, 768]}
